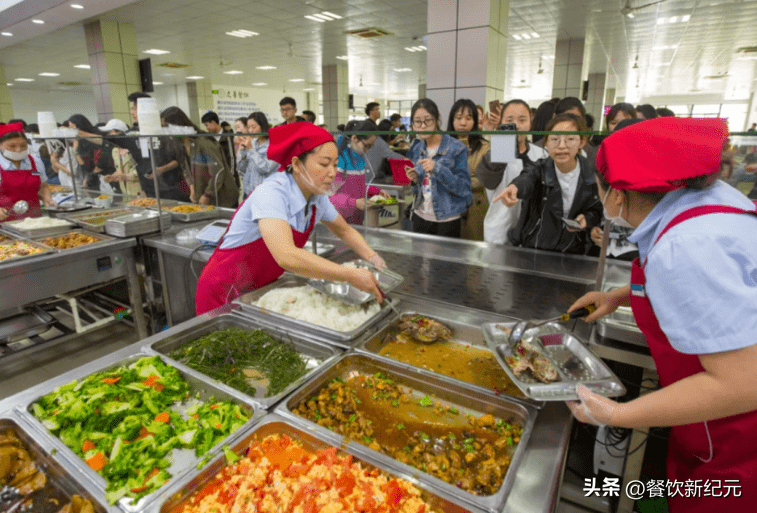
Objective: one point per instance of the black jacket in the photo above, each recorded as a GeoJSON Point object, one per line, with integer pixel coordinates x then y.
{"type": "Point", "coordinates": [540, 224]}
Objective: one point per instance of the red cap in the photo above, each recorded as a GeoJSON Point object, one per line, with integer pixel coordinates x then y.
{"type": "Point", "coordinates": [659, 154]}
{"type": "Point", "coordinates": [11, 127]}
{"type": "Point", "coordinates": [294, 139]}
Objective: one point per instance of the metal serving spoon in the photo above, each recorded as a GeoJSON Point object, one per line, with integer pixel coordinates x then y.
{"type": "Point", "coordinates": [20, 208]}
{"type": "Point", "coordinates": [520, 328]}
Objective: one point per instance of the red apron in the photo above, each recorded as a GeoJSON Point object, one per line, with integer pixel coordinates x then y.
{"type": "Point", "coordinates": [723, 451]}
{"type": "Point", "coordinates": [17, 185]}
{"type": "Point", "coordinates": [231, 272]}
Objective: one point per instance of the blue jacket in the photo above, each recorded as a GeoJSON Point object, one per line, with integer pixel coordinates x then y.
{"type": "Point", "coordinates": [450, 178]}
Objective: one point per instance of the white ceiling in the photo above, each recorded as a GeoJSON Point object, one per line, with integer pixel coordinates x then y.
{"type": "Point", "coordinates": [194, 32]}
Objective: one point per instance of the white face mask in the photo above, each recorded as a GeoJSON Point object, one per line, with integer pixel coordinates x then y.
{"type": "Point", "coordinates": [309, 181]}
{"type": "Point", "coordinates": [15, 155]}
{"type": "Point", "coordinates": [618, 220]}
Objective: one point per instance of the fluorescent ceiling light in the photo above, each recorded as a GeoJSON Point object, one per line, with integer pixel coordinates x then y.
{"type": "Point", "coordinates": [259, 83]}
{"type": "Point", "coordinates": [661, 21]}
{"type": "Point", "coordinates": [324, 17]}
{"type": "Point", "coordinates": [7, 34]}
{"type": "Point", "coordinates": [157, 83]}
{"type": "Point", "coordinates": [265, 67]}
{"type": "Point", "coordinates": [517, 37]}
{"type": "Point", "coordinates": [83, 66]}
{"type": "Point", "coordinates": [410, 49]}
{"type": "Point", "coordinates": [9, 84]}
{"type": "Point", "coordinates": [402, 70]}
{"type": "Point", "coordinates": [525, 36]}
{"type": "Point", "coordinates": [309, 89]}
{"type": "Point", "coordinates": [242, 33]}
{"type": "Point", "coordinates": [315, 19]}
{"type": "Point", "coordinates": [46, 74]}
{"type": "Point", "coordinates": [686, 18]}
{"type": "Point", "coordinates": [747, 58]}
{"type": "Point", "coordinates": [535, 35]}
{"type": "Point", "coordinates": [155, 51]}
{"type": "Point", "coordinates": [548, 56]}
{"type": "Point", "coordinates": [332, 15]}
{"type": "Point", "coordinates": [233, 72]}
{"type": "Point", "coordinates": [24, 80]}
{"type": "Point", "coordinates": [195, 77]}
{"type": "Point", "coordinates": [674, 19]}
{"type": "Point", "coordinates": [296, 79]}
{"type": "Point", "coordinates": [630, 15]}
{"type": "Point", "coordinates": [342, 57]}
{"type": "Point", "coordinates": [38, 22]}
{"type": "Point", "coordinates": [169, 74]}
{"type": "Point", "coordinates": [77, 6]}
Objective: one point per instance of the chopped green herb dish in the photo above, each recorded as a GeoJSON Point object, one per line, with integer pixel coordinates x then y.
{"type": "Point", "coordinates": [124, 423]}
{"type": "Point", "coordinates": [247, 360]}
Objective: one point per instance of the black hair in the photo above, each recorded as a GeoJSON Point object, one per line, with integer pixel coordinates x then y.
{"type": "Point", "coordinates": [395, 117]}
{"type": "Point", "coordinates": [12, 135]}
{"type": "Point", "coordinates": [570, 102]}
{"type": "Point", "coordinates": [369, 107]}
{"type": "Point", "coordinates": [474, 140]}
{"type": "Point", "coordinates": [647, 110]}
{"type": "Point", "coordinates": [288, 100]}
{"type": "Point", "coordinates": [579, 122]}
{"type": "Point", "coordinates": [356, 125]}
{"type": "Point", "coordinates": [210, 117]}
{"type": "Point", "coordinates": [625, 108]}
{"type": "Point", "coordinates": [589, 121]}
{"type": "Point", "coordinates": [133, 97]}
{"type": "Point", "coordinates": [261, 120]}
{"type": "Point", "coordinates": [340, 128]}
{"type": "Point", "coordinates": [18, 120]}
{"type": "Point", "coordinates": [429, 106]}
{"type": "Point", "coordinates": [82, 123]}
{"type": "Point", "coordinates": [176, 116]}
{"type": "Point", "coordinates": [664, 112]}
{"type": "Point", "coordinates": [242, 120]}
{"type": "Point", "coordinates": [307, 114]}
{"type": "Point", "coordinates": [32, 129]}
{"type": "Point", "coordinates": [516, 101]}
{"type": "Point", "coordinates": [385, 126]}
{"type": "Point", "coordinates": [544, 113]}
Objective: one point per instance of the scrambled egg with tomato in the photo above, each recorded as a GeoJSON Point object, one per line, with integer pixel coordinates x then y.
{"type": "Point", "coordinates": [279, 475]}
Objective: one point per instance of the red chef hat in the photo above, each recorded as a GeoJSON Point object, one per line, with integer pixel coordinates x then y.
{"type": "Point", "coordinates": [11, 127]}
{"type": "Point", "coordinates": [659, 154]}
{"type": "Point", "coordinates": [294, 139]}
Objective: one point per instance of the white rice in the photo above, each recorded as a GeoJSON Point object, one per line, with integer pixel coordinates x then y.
{"type": "Point", "coordinates": [308, 305]}
{"type": "Point", "coordinates": [34, 223]}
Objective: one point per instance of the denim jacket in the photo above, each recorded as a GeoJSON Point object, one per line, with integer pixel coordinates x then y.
{"type": "Point", "coordinates": [450, 178]}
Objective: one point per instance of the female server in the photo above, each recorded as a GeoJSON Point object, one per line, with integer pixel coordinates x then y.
{"type": "Point", "coordinates": [693, 293]}
{"type": "Point", "coordinates": [267, 233]}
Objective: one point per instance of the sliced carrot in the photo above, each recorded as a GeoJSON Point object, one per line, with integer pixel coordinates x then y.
{"type": "Point", "coordinates": [219, 426]}
{"type": "Point", "coordinates": [213, 406]}
{"type": "Point", "coordinates": [150, 381]}
{"type": "Point", "coordinates": [112, 381]}
{"type": "Point", "coordinates": [97, 462]}
{"type": "Point", "coordinates": [140, 489]}
{"type": "Point", "coordinates": [159, 387]}
{"type": "Point", "coordinates": [143, 433]}
{"type": "Point", "coordinates": [196, 416]}
{"type": "Point", "coordinates": [163, 417]}
{"type": "Point", "coordinates": [88, 446]}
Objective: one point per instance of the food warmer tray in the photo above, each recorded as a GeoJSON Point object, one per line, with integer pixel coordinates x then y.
{"type": "Point", "coordinates": [190, 217]}
{"type": "Point", "coordinates": [100, 238]}
{"type": "Point", "coordinates": [46, 250]}
{"type": "Point", "coordinates": [60, 210]}
{"type": "Point", "coordinates": [82, 219]}
{"type": "Point", "coordinates": [178, 495]}
{"type": "Point", "coordinates": [154, 206]}
{"type": "Point", "coordinates": [10, 236]}
{"type": "Point", "coordinates": [348, 293]}
{"type": "Point", "coordinates": [24, 322]}
{"type": "Point", "coordinates": [343, 339]}
{"type": "Point", "coordinates": [466, 400]}
{"type": "Point", "coordinates": [575, 364]}
{"type": "Point", "coordinates": [61, 484]}
{"type": "Point", "coordinates": [140, 223]}
{"type": "Point", "coordinates": [39, 232]}
{"type": "Point", "coordinates": [621, 325]}
{"type": "Point", "coordinates": [184, 461]}
{"type": "Point", "coordinates": [465, 324]}
{"type": "Point", "coordinates": [315, 353]}
{"type": "Point", "coordinates": [322, 249]}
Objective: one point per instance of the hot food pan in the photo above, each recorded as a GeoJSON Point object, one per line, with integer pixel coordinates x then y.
{"type": "Point", "coordinates": [187, 213]}
{"type": "Point", "coordinates": [140, 427]}
{"type": "Point", "coordinates": [357, 320]}
{"type": "Point", "coordinates": [95, 221]}
{"type": "Point", "coordinates": [15, 250]}
{"type": "Point", "coordinates": [454, 439]}
{"type": "Point", "coordinates": [288, 434]}
{"type": "Point", "coordinates": [73, 239]}
{"type": "Point", "coordinates": [348, 293]}
{"type": "Point", "coordinates": [31, 480]}
{"type": "Point", "coordinates": [551, 362]}
{"type": "Point", "coordinates": [299, 355]}
{"type": "Point", "coordinates": [42, 231]}
{"type": "Point", "coordinates": [449, 343]}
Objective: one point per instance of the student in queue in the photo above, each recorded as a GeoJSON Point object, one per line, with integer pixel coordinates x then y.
{"type": "Point", "coordinates": [463, 117]}
{"type": "Point", "coordinates": [350, 199]}
{"type": "Point", "coordinates": [204, 168]}
{"type": "Point", "coordinates": [87, 149]}
{"type": "Point", "coordinates": [542, 116]}
{"type": "Point", "coordinates": [693, 293]}
{"type": "Point", "coordinates": [556, 189]}
{"type": "Point", "coordinates": [440, 178]}
{"type": "Point", "coordinates": [495, 176]}
{"type": "Point", "coordinates": [20, 178]}
{"type": "Point", "coordinates": [270, 228]}
{"type": "Point", "coordinates": [254, 162]}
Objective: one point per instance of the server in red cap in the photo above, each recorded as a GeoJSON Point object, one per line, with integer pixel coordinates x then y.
{"type": "Point", "coordinates": [693, 293]}
{"type": "Point", "coordinates": [270, 228]}
{"type": "Point", "coordinates": [19, 178]}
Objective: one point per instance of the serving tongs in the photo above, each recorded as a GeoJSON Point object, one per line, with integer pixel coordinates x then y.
{"type": "Point", "coordinates": [521, 327]}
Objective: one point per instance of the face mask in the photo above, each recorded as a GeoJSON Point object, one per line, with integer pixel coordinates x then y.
{"type": "Point", "coordinates": [618, 220]}
{"type": "Point", "coordinates": [309, 181]}
{"type": "Point", "coordinates": [15, 155]}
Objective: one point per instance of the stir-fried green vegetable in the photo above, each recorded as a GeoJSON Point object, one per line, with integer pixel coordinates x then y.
{"type": "Point", "coordinates": [121, 423]}
{"type": "Point", "coordinates": [226, 354]}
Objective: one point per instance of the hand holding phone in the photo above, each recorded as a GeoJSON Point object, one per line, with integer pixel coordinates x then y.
{"type": "Point", "coordinates": [571, 223]}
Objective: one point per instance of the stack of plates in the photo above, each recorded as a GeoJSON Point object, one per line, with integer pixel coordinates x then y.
{"type": "Point", "coordinates": [139, 223]}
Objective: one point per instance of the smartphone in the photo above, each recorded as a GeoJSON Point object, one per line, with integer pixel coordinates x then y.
{"type": "Point", "coordinates": [494, 106]}
{"type": "Point", "coordinates": [504, 148]}
{"type": "Point", "coordinates": [507, 127]}
{"type": "Point", "coordinates": [572, 223]}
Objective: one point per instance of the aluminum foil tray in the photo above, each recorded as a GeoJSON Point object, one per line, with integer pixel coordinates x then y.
{"type": "Point", "coordinates": [183, 461]}
{"type": "Point", "coordinates": [182, 491]}
{"type": "Point", "coordinates": [465, 325]}
{"type": "Point", "coordinates": [343, 339]}
{"type": "Point", "coordinates": [61, 484]}
{"type": "Point", "coordinates": [315, 353]}
{"type": "Point", "coordinates": [464, 399]}
{"type": "Point", "coordinates": [140, 223]}
{"type": "Point", "coordinates": [575, 364]}
{"type": "Point", "coordinates": [39, 232]}
{"type": "Point", "coordinates": [348, 293]}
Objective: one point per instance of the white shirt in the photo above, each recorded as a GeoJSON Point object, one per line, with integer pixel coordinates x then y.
{"type": "Point", "coordinates": [568, 184]}
{"type": "Point", "coordinates": [513, 169]}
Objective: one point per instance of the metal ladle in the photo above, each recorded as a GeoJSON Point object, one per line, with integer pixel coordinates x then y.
{"type": "Point", "coordinates": [521, 327]}
{"type": "Point", "coordinates": [21, 207]}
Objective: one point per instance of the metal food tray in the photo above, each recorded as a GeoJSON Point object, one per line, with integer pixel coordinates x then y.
{"type": "Point", "coordinates": [321, 248]}
{"type": "Point", "coordinates": [24, 322]}
{"type": "Point", "coordinates": [38, 232]}
{"type": "Point", "coordinates": [100, 238]}
{"type": "Point", "coordinates": [163, 203]}
{"type": "Point", "coordinates": [273, 424]}
{"type": "Point", "coordinates": [59, 210]}
{"type": "Point", "coordinates": [10, 236]}
{"type": "Point", "coordinates": [348, 293]}
{"type": "Point", "coordinates": [82, 219]}
{"type": "Point", "coordinates": [466, 400]}
{"type": "Point", "coordinates": [343, 339]}
{"type": "Point", "coordinates": [575, 364]}
{"type": "Point", "coordinates": [315, 353]}
{"type": "Point", "coordinates": [621, 325]}
{"type": "Point", "coordinates": [183, 460]}
{"type": "Point", "coordinates": [139, 223]}
{"type": "Point", "coordinates": [46, 250]}
{"type": "Point", "coordinates": [190, 217]}
{"type": "Point", "coordinates": [61, 484]}
{"type": "Point", "coordinates": [466, 331]}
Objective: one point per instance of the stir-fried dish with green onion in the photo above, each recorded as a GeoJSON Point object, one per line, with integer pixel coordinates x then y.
{"type": "Point", "coordinates": [124, 423]}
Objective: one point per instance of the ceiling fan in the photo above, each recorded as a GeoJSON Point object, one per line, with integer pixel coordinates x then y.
{"type": "Point", "coordinates": [628, 9]}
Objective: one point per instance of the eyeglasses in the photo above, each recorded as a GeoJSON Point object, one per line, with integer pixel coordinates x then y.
{"type": "Point", "coordinates": [568, 140]}
{"type": "Point", "coordinates": [424, 122]}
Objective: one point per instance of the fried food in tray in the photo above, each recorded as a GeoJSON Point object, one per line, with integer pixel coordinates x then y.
{"type": "Point", "coordinates": [424, 329]}
{"type": "Point", "coordinates": [70, 240]}
{"type": "Point", "coordinates": [189, 209]}
{"type": "Point", "coordinates": [16, 249]}
{"type": "Point", "coordinates": [143, 202]}
{"type": "Point", "coordinates": [530, 363]}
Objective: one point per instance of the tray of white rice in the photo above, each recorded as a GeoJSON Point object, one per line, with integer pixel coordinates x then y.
{"type": "Point", "coordinates": [289, 301]}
